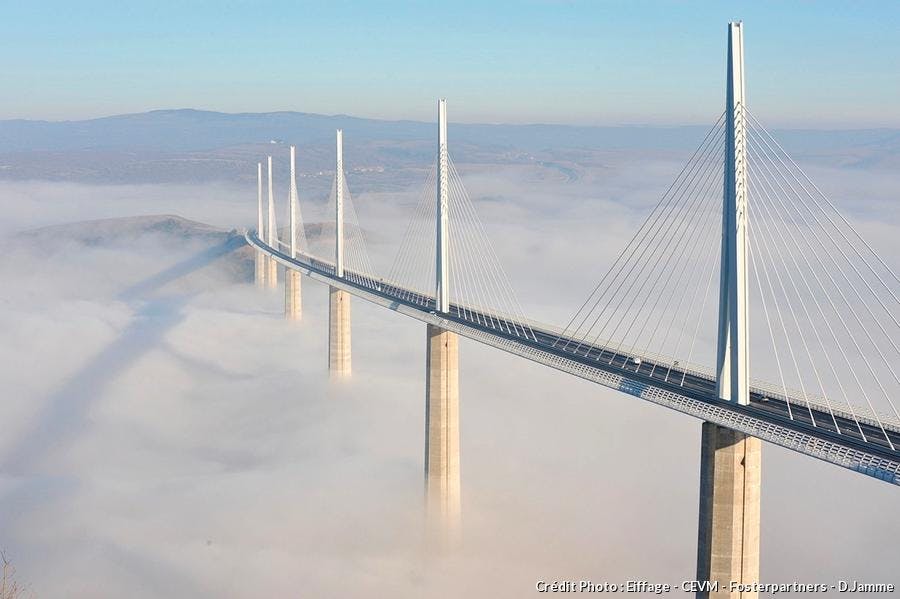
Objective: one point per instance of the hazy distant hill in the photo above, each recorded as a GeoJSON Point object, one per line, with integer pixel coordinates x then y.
{"type": "Point", "coordinates": [166, 231]}
{"type": "Point", "coordinates": [113, 230]}
{"type": "Point", "coordinates": [197, 146]}
{"type": "Point", "coordinates": [188, 130]}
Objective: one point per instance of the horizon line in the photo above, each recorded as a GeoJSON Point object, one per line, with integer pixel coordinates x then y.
{"type": "Point", "coordinates": [623, 124]}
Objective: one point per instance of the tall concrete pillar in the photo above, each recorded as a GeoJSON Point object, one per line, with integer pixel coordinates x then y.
{"type": "Point", "coordinates": [338, 332]}
{"type": "Point", "coordinates": [272, 273]}
{"type": "Point", "coordinates": [293, 309]}
{"type": "Point", "coordinates": [260, 266]}
{"type": "Point", "coordinates": [442, 502]}
{"type": "Point", "coordinates": [728, 539]}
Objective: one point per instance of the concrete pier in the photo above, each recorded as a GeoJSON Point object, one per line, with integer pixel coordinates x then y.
{"type": "Point", "coordinates": [271, 272]}
{"type": "Point", "coordinates": [338, 332]}
{"type": "Point", "coordinates": [259, 269]}
{"type": "Point", "coordinates": [293, 310]}
{"type": "Point", "coordinates": [728, 539]}
{"type": "Point", "coordinates": [442, 501]}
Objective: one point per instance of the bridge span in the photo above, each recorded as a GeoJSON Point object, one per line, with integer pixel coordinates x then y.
{"type": "Point", "coordinates": [829, 303]}
{"type": "Point", "coordinates": [686, 391]}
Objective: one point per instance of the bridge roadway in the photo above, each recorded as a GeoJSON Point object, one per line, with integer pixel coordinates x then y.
{"type": "Point", "coordinates": [811, 429]}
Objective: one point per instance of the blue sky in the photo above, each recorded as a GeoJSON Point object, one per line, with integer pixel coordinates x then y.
{"type": "Point", "coordinates": [830, 64]}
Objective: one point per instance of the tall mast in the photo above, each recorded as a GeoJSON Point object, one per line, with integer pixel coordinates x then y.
{"type": "Point", "coordinates": [260, 224]}
{"type": "Point", "coordinates": [339, 206]}
{"type": "Point", "coordinates": [293, 202]}
{"type": "Point", "coordinates": [733, 369]}
{"type": "Point", "coordinates": [272, 234]}
{"type": "Point", "coordinates": [442, 291]}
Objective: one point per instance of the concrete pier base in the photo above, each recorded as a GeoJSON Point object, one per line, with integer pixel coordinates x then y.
{"type": "Point", "coordinates": [728, 539]}
{"type": "Point", "coordinates": [259, 269]}
{"type": "Point", "coordinates": [271, 272]}
{"type": "Point", "coordinates": [293, 309]}
{"type": "Point", "coordinates": [338, 332]}
{"type": "Point", "coordinates": [442, 501]}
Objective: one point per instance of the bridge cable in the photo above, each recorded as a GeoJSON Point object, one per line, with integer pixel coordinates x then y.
{"type": "Point", "coordinates": [828, 296]}
{"type": "Point", "coordinates": [471, 230]}
{"type": "Point", "coordinates": [833, 208]}
{"type": "Point", "coordinates": [652, 242]}
{"type": "Point", "coordinates": [505, 286]}
{"type": "Point", "coordinates": [654, 245]}
{"type": "Point", "coordinates": [767, 242]}
{"type": "Point", "coordinates": [700, 312]}
{"type": "Point", "coordinates": [692, 226]}
{"type": "Point", "coordinates": [685, 224]}
{"type": "Point", "coordinates": [641, 231]}
{"type": "Point", "coordinates": [698, 242]}
{"type": "Point", "coordinates": [840, 291]}
{"type": "Point", "coordinates": [401, 272]}
{"type": "Point", "coordinates": [461, 234]}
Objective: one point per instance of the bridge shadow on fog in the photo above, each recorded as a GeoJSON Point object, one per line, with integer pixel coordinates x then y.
{"type": "Point", "coordinates": [64, 414]}
{"type": "Point", "coordinates": [183, 268]}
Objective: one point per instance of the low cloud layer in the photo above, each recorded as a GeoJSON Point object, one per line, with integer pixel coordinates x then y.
{"type": "Point", "coordinates": [186, 441]}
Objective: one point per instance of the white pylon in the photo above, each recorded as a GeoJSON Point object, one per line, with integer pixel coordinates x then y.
{"type": "Point", "coordinates": [732, 364]}
{"type": "Point", "coordinates": [339, 206]}
{"type": "Point", "coordinates": [442, 291]}
{"type": "Point", "coordinates": [271, 233]}
{"type": "Point", "coordinates": [260, 260]}
{"type": "Point", "coordinates": [293, 202]}
{"type": "Point", "coordinates": [260, 224]}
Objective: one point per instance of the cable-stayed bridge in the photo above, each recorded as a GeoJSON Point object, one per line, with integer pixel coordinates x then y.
{"type": "Point", "coordinates": [742, 248]}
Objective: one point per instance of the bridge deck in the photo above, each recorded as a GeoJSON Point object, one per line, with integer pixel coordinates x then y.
{"type": "Point", "coordinates": [858, 444]}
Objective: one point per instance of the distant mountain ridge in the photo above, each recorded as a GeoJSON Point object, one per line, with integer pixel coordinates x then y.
{"type": "Point", "coordinates": [189, 129]}
{"type": "Point", "coordinates": [188, 145]}
{"type": "Point", "coordinates": [183, 130]}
